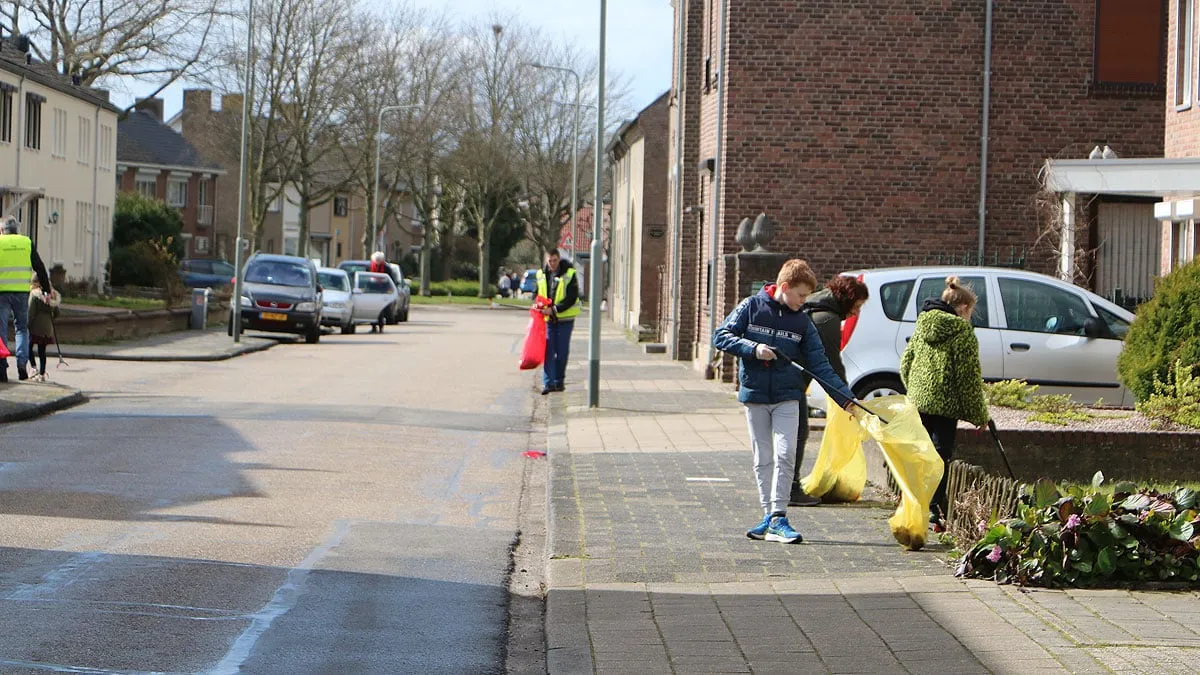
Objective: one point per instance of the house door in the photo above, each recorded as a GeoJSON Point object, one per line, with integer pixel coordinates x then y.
{"type": "Point", "coordinates": [1129, 251]}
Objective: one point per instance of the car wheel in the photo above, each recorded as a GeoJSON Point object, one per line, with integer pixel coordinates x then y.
{"type": "Point", "coordinates": [878, 386]}
{"type": "Point", "coordinates": [382, 320]}
{"type": "Point", "coordinates": [313, 336]}
{"type": "Point", "coordinates": [404, 314]}
{"type": "Point", "coordinates": [346, 330]}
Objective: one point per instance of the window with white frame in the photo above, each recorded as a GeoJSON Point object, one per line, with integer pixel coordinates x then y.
{"type": "Point", "coordinates": [83, 227]}
{"type": "Point", "coordinates": [1183, 53]}
{"type": "Point", "coordinates": [106, 147]}
{"type": "Point", "coordinates": [146, 186]}
{"type": "Point", "coordinates": [85, 140]}
{"type": "Point", "coordinates": [33, 121]}
{"type": "Point", "coordinates": [59, 134]}
{"type": "Point", "coordinates": [177, 193]}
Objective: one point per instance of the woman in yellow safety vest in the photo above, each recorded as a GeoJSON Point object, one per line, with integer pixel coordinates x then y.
{"type": "Point", "coordinates": [557, 282]}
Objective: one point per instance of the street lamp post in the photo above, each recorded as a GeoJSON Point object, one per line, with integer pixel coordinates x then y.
{"type": "Point", "coordinates": [236, 323]}
{"type": "Point", "coordinates": [378, 143]}
{"type": "Point", "coordinates": [574, 152]}
{"type": "Point", "coordinates": [596, 282]}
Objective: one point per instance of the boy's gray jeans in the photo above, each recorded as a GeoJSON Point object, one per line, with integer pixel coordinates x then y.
{"type": "Point", "coordinates": [773, 428]}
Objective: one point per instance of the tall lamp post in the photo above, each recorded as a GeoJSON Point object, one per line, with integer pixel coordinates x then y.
{"type": "Point", "coordinates": [574, 151]}
{"type": "Point", "coordinates": [241, 215]}
{"type": "Point", "coordinates": [596, 282]}
{"type": "Point", "coordinates": [378, 144]}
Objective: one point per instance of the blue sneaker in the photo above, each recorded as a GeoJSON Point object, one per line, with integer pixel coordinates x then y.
{"type": "Point", "coordinates": [759, 531]}
{"type": "Point", "coordinates": [781, 531]}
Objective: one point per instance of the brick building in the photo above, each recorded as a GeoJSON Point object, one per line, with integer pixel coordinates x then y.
{"type": "Point", "coordinates": [637, 251]}
{"type": "Point", "coordinates": [857, 127]}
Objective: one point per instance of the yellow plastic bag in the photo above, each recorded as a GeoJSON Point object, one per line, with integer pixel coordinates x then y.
{"type": "Point", "coordinates": [915, 464]}
{"type": "Point", "coordinates": [840, 470]}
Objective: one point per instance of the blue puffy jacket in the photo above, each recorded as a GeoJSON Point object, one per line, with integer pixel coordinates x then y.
{"type": "Point", "coordinates": [760, 319]}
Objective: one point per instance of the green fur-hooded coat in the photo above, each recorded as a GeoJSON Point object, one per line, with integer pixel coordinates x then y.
{"type": "Point", "coordinates": [940, 367]}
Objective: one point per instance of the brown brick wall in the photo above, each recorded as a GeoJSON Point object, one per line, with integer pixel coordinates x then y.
{"type": "Point", "coordinates": [653, 124]}
{"type": "Point", "coordinates": [1182, 126]}
{"type": "Point", "coordinates": [857, 125]}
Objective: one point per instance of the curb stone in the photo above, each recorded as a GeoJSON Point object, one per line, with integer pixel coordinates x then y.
{"type": "Point", "coordinates": [22, 412]}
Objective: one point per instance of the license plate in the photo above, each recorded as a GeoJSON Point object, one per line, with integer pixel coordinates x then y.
{"type": "Point", "coordinates": [273, 316]}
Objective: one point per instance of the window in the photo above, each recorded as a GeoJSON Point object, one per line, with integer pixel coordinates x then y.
{"type": "Point", "coordinates": [339, 207]}
{"type": "Point", "coordinates": [1129, 41]}
{"type": "Point", "coordinates": [6, 112]}
{"type": "Point", "coordinates": [276, 204]}
{"type": "Point", "coordinates": [83, 227]}
{"type": "Point", "coordinates": [1117, 326]}
{"type": "Point", "coordinates": [85, 140]}
{"type": "Point", "coordinates": [33, 121]}
{"type": "Point", "coordinates": [146, 187]}
{"type": "Point", "coordinates": [59, 134]}
{"type": "Point", "coordinates": [1183, 54]}
{"type": "Point", "coordinates": [1035, 307]}
{"type": "Point", "coordinates": [894, 297]}
{"type": "Point", "coordinates": [106, 147]}
{"type": "Point", "coordinates": [57, 227]}
{"type": "Point", "coordinates": [177, 193]}
{"type": "Point", "coordinates": [339, 249]}
{"type": "Point", "coordinates": [222, 268]}
{"type": "Point", "coordinates": [932, 288]}
{"type": "Point", "coordinates": [202, 192]}
{"type": "Point", "coordinates": [333, 281]}
{"type": "Point", "coordinates": [200, 244]}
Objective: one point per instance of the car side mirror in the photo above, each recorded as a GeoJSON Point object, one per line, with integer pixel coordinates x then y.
{"type": "Point", "coordinates": [1094, 328]}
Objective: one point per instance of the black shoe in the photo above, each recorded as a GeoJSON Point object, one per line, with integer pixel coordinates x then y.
{"type": "Point", "coordinates": [3, 374]}
{"type": "Point", "coordinates": [801, 498]}
{"type": "Point", "coordinates": [22, 374]}
{"type": "Point", "coordinates": [559, 387]}
{"type": "Point", "coordinates": [547, 389]}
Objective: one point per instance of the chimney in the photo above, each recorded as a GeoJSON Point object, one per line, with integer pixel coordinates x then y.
{"type": "Point", "coordinates": [231, 103]}
{"type": "Point", "coordinates": [197, 101]}
{"type": "Point", "coordinates": [154, 106]}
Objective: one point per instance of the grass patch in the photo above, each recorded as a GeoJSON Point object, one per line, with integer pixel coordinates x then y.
{"type": "Point", "coordinates": [117, 301]}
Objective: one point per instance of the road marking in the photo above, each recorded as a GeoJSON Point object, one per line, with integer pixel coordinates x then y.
{"type": "Point", "coordinates": [705, 479]}
{"type": "Point", "coordinates": [281, 603]}
{"type": "Point", "coordinates": [56, 668]}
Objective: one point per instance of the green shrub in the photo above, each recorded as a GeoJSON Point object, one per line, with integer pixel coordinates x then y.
{"type": "Point", "coordinates": [1177, 400]}
{"type": "Point", "coordinates": [1166, 331]}
{"type": "Point", "coordinates": [459, 287]}
{"type": "Point", "coordinates": [1009, 393]}
{"type": "Point", "coordinates": [1047, 408]}
{"type": "Point", "coordinates": [146, 246]}
{"type": "Point", "coordinates": [1072, 535]}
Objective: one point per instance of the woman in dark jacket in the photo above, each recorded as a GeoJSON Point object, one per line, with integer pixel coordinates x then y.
{"type": "Point", "coordinates": [841, 298]}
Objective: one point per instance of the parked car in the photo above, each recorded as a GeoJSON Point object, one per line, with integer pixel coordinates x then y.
{"type": "Point", "coordinates": [375, 298]}
{"type": "Point", "coordinates": [404, 288]}
{"type": "Point", "coordinates": [353, 266]}
{"type": "Point", "coordinates": [337, 299]}
{"type": "Point", "coordinates": [529, 282]}
{"type": "Point", "coordinates": [1030, 327]}
{"type": "Point", "coordinates": [198, 273]}
{"type": "Point", "coordinates": [281, 294]}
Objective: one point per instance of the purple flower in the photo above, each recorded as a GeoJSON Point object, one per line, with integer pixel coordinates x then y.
{"type": "Point", "coordinates": [994, 556]}
{"type": "Point", "coordinates": [1073, 521]}
{"type": "Point", "coordinates": [982, 527]}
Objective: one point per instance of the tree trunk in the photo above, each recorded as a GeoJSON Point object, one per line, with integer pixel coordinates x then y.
{"type": "Point", "coordinates": [483, 263]}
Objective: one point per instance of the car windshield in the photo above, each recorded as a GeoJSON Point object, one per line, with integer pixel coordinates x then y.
{"type": "Point", "coordinates": [278, 273]}
{"type": "Point", "coordinates": [224, 269]}
{"type": "Point", "coordinates": [374, 283]}
{"type": "Point", "coordinates": [334, 282]}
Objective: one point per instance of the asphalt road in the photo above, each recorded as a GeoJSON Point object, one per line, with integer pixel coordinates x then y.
{"type": "Point", "coordinates": [345, 507]}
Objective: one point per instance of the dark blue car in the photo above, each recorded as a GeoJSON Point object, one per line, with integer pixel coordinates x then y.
{"type": "Point", "coordinates": [529, 282]}
{"type": "Point", "coordinates": [197, 273]}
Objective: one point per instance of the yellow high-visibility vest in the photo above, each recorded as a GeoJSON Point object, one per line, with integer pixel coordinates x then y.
{"type": "Point", "coordinates": [560, 292]}
{"type": "Point", "coordinates": [15, 266]}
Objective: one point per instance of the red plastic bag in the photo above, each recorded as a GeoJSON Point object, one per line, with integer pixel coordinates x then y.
{"type": "Point", "coordinates": [4, 353]}
{"type": "Point", "coordinates": [534, 351]}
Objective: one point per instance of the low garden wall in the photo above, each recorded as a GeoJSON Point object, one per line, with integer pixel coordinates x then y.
{"type": "Point", "coordinates": [121, 325]}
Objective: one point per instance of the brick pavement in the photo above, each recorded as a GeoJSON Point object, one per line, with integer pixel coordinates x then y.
{"type": "Point", "coordinates": [650, 571]}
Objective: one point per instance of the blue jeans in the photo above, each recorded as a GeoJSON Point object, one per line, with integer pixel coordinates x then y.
{"type": "Point", "coordinates": [17, 305]}
{"type": "Point", "coordinates": [558, 350]}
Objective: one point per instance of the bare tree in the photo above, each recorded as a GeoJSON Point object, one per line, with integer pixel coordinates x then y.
{"type": "Point", "coordinates": [157, 41]}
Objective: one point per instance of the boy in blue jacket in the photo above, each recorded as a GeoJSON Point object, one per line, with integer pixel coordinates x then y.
{"type": "Point", "coordinates": [763, 325]}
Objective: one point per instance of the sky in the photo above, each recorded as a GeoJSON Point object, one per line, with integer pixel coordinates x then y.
{"type": "Point", "coordinates": [639, 39]}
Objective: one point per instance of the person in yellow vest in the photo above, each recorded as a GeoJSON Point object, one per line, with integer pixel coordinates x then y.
{"type": "Point", "coordinates": [557, 282]}
{"type": "Point", "coordinates": [18, 261]}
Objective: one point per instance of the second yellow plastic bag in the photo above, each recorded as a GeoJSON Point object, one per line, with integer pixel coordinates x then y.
{"type": "Point", "coordinates": [914, 463]}
{"type": "Point", "coordinates": [840, 470]}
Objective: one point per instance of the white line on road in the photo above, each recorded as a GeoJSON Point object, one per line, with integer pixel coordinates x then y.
{"type": "Point", "coordinates": [281, 603]}
{"type": "Point", "coordinates": [705, 479]}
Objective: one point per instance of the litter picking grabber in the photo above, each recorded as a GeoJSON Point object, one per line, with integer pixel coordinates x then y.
{"type": "Point", "coordinates": [1000, 446]}
{"type": "Point", "coordinates": [58, 345]}
{"type": "Point", "coordinates": [780, 356]}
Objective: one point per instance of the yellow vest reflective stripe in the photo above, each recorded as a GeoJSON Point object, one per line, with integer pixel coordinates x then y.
{"type": "Point", "coordinates": [15, 265]}
{"type": "Point", "coordinates": [560, 293]}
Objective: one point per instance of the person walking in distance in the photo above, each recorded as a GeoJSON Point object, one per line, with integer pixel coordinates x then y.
{"type": "Point", "coordinates": [841, 298]}
{"type": "Point", "coordinates": [378, 263]}
{"type": "Point", "coordinates": [19, 260]}
{"type": "Point", "coordinates": [42, 312]}
{"type": "Point", "coordinates": [763, 325]}
{"type": "Point", "coordinates": [557, 282]}
{"type": "Point", "coordinates": [940, 369]}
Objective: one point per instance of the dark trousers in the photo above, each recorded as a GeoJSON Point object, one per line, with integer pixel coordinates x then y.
{"type": "Point", "coordinates": [558, 350]}
{"type": "Point", "coordinates": [941, 432]}
{"type": "Point", "coordinates": [801, 441]}
{"type": "Point", "coordinates": [39, 361]}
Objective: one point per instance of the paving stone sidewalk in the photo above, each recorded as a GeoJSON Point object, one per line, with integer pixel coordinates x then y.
{"type": "Point", "coordinates": [650, 571]}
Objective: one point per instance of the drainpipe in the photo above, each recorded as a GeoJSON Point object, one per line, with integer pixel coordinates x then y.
{"type": "Point", "coordinates": [95, 205]}
{"type": "Point", "coordinates": [983, 145]}
{"type": "Point", "coordinates": [677, 189]}
{"type": "Point", "coordinates": [19, 128]}
{"type": "Point", "coordinates": [722, 19]}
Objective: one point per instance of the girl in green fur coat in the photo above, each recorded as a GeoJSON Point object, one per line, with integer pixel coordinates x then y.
{"type": "Point", "coordinates": [940, 368]}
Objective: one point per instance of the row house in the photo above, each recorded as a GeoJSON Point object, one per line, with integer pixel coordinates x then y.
{"type": "Point", "coordinates": [157, 162]}
{"type": "Point", "coordinates": [869, 133]}
{"type": "Point", "coordinates": [57, 161]}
